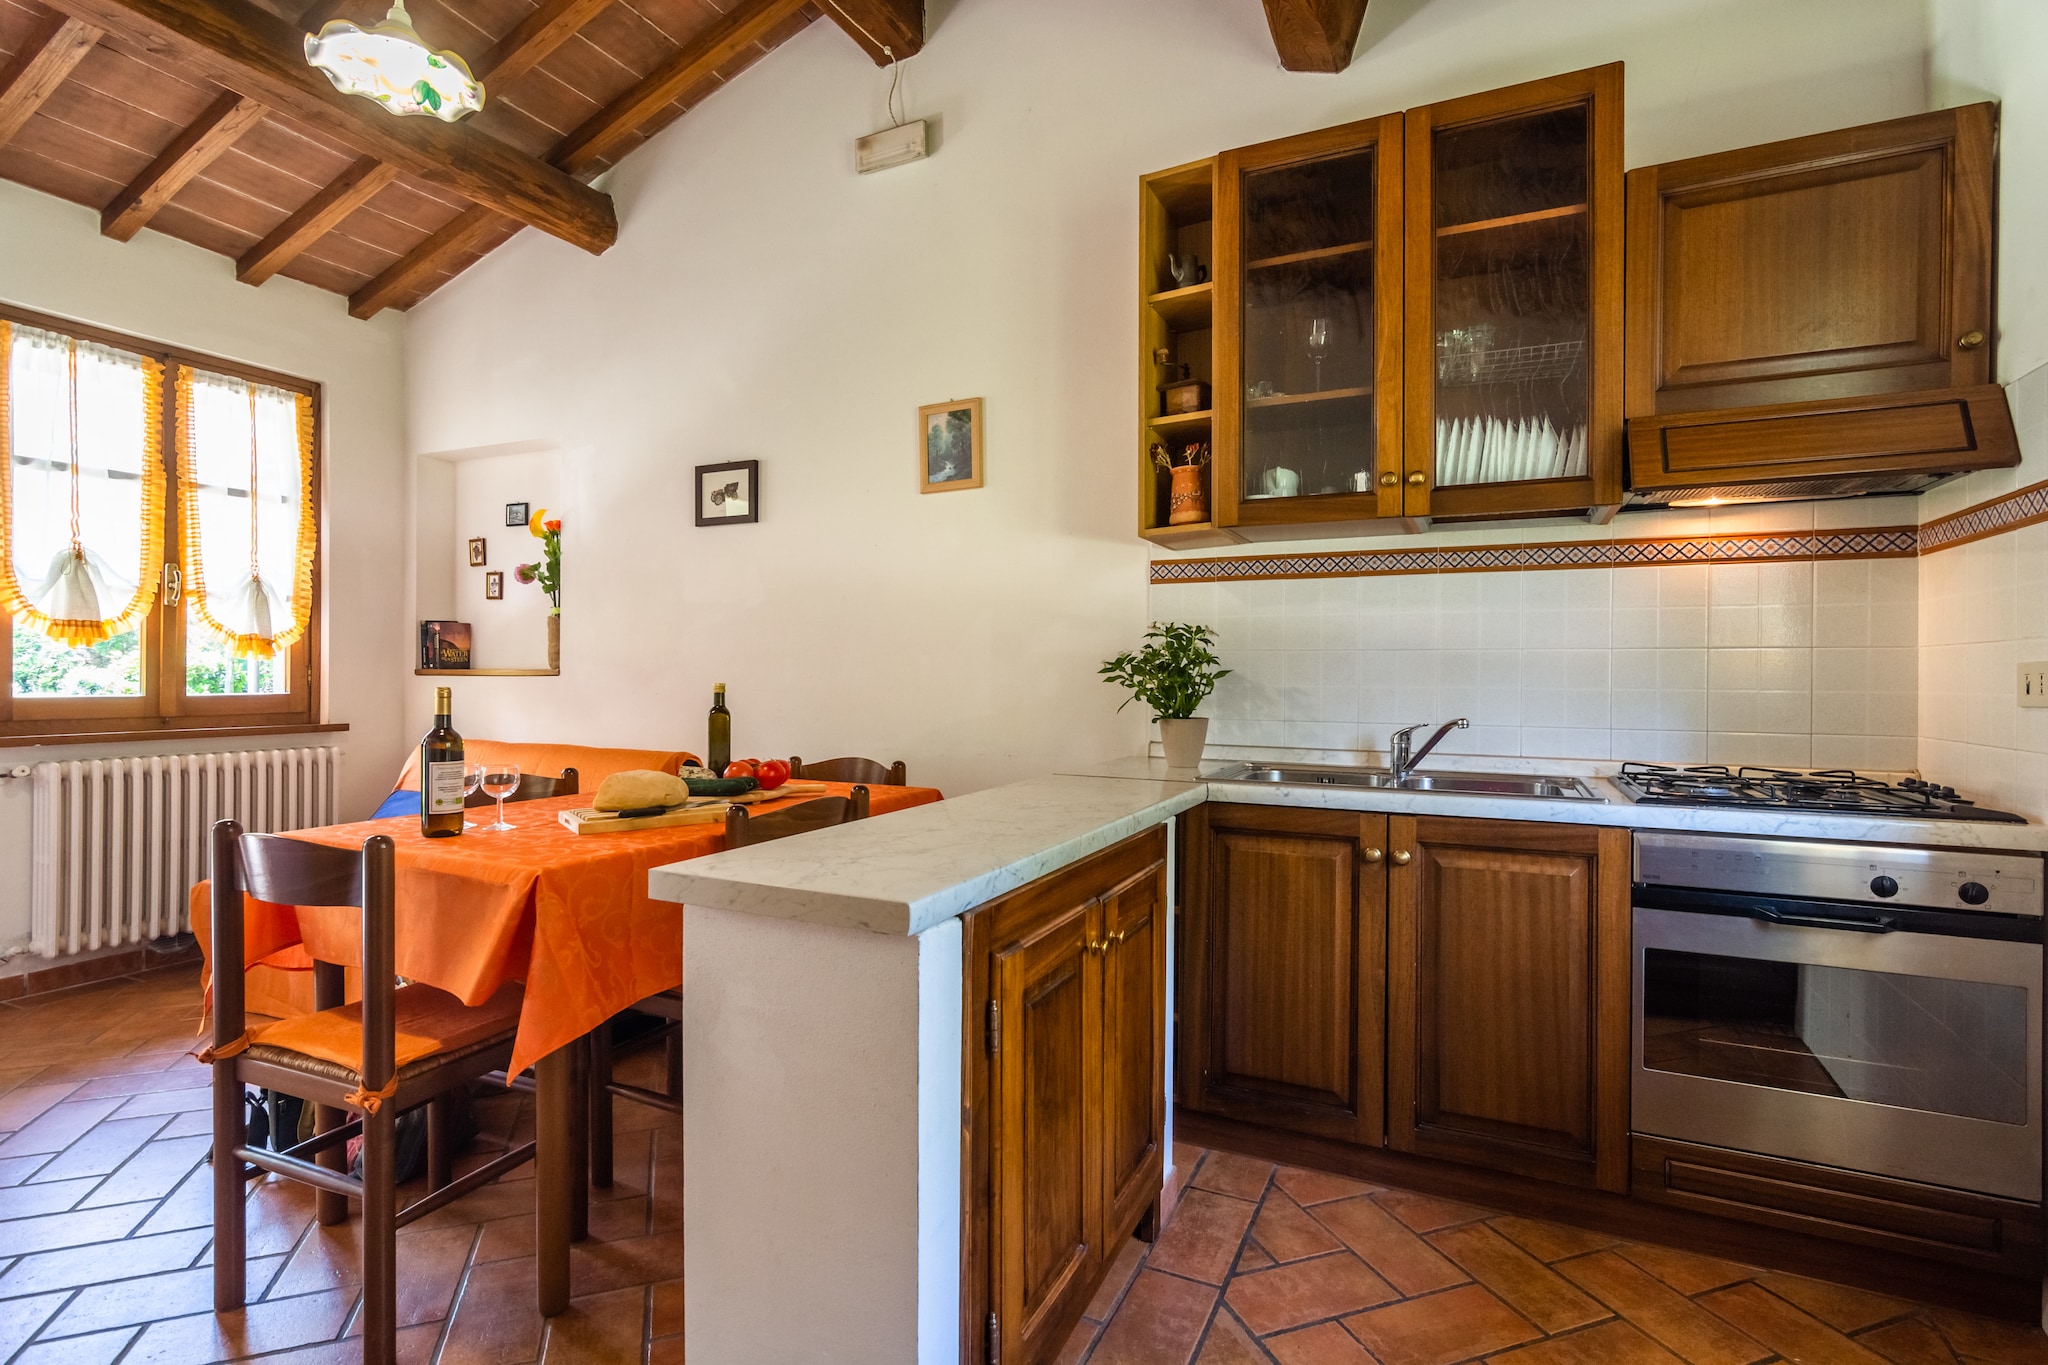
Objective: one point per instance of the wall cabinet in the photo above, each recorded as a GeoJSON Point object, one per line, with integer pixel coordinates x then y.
{"type": "Point", "coordinates": [1819, 308]}
{"type": "Point", "coordinates": [1064, 1094]}
{"type": "Point", "coordinates": [1508, 996]}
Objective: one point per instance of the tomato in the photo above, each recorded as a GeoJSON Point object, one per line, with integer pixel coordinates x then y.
{"type": "Point", "coordinates": [772, 772]}
{"type": "Point", "coordinates": [740, 767]}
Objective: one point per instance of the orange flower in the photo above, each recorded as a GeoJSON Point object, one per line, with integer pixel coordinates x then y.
{"type": "Point", "coordinates": [554, 527]}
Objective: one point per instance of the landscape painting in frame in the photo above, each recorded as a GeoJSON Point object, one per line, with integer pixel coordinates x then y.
{"type": "Point", "coordinates": [949, 446]}
{"type": "Point", "coordinates": [728, 494]}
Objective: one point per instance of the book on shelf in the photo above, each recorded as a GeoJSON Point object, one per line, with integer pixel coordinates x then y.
{"type": "Point", "coordinates": [444, 644]}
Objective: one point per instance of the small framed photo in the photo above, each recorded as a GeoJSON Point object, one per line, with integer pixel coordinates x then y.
{"type": "Point", "coordinates": [476, 552]}
{"type": "Point", "coordinates": [949, 446]}
{"type": "Point", "coordinates": [517, 513]}
{"type": "Point", "coordinates": [728, 494]}
{"type": "Point", "coordinates": [494, 586]}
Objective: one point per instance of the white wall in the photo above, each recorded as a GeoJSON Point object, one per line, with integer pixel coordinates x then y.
{"type": "Point", "coordinates": [53, 260]}
{"type": "Point", "coordinates": [765, 302]}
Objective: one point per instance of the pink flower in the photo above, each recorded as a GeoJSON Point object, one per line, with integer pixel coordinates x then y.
{"type": "Point", "coordinates": [526, 573]}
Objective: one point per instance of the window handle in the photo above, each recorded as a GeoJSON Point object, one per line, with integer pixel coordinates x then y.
{"type": "Point", "coordinates": [174, 584]}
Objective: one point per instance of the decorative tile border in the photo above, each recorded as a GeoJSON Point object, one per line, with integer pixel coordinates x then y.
{"type": "Point", "coordinates": [1889, 542]}
{"type": "Point", "coordinates": [2025, 507]}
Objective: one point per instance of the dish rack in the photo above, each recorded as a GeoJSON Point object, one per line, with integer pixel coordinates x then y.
{"type": "Point", "coordinates": [1458, 364]}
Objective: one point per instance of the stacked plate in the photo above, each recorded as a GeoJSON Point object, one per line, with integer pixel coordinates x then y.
{"type": "Point", "coordinates": [1490, 450]}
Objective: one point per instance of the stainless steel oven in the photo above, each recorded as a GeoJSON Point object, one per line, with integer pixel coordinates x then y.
{"type": "Point", "coordinates": [1856, 1005]}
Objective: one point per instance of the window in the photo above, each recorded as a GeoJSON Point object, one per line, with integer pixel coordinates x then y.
{"type": "Point", "coordinates": [159, 537]}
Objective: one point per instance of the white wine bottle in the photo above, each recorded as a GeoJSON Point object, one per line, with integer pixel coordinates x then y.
{"type": "Point", "coordinates": [441, 774]}
{"type": "Point", "coordinates": [718, 734]}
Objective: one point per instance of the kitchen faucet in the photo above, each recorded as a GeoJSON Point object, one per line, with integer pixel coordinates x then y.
{"type": "Point", "coordinates": [1400, 762]}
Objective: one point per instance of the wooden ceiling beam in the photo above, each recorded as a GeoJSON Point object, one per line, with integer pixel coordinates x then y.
{"type": "Point", "coordinates": [401, 281]}
{"type": "Point", "coordinates": [259, 55]}
{"type": "Point", "coordinates": [894, 25]}
{"type": "Point", "coordinates": [190, 152]}
{"type": "Point", "coordinates": [39, 68]}
{"type": "Point", "coordinates": [537, 36]}
{"type": "Point", "coordinates": [1315, 35]}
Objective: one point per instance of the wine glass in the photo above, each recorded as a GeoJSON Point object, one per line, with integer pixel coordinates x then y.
{"type": "Point", "coordinates": [1318, 346]}
{"type": "Point", "coordinates": [472, 778]}
{"type": "Point", "coordinates": [500, 781]}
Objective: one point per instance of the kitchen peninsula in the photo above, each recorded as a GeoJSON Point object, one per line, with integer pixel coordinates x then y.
{"type": "Point", "coordinates": [827, 992]}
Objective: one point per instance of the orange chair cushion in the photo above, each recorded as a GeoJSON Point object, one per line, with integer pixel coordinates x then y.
{"type": "Point", "coordinates": [592, 765]}
{"type": "Point", "coordinates": [429, 1021]}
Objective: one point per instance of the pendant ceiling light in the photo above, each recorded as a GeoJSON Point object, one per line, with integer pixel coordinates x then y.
{"type": "Point", "coordinates": [393, 65]}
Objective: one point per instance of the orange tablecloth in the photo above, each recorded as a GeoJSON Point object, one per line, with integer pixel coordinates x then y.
{"type": "Point", "coordinates": [568, 915]}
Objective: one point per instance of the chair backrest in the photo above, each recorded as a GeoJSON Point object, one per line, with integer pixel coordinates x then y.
{"type": "Point", "coordinates": [286, 871]}
{"type": "Point", "coordinates": [593, 763]}
{"type": "Point", "coordinates": [742, 829]}
{"type": "Point", "coordinates": [532, 787]}
{"type": "Point", "coordinates": [851, 770]}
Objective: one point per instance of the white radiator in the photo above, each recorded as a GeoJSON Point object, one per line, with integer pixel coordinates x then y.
{"type": "Point", "coordinates": [119, 842]}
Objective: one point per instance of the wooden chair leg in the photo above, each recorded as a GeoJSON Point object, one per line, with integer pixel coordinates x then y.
{"type": "Point", "coordinates": [230, 1268]}
{"type": "Point", "coordinates": [380, 1238]}
{"type": "Point", "coordinates": [674, 1056]}
{"type": "Point", "coordinates": [440, 1140]}
{"type": "Point", "coordinates": [579, 1140]}
{"type": "Point", "coordinates": [329, 1208]}
{"type": "Point", "coordinates": [601, 1106]}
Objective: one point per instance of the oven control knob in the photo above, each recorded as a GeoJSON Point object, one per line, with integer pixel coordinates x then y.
{"type": "Point", "coordinates": [1973, 893]}
{"type": "Point", "coordinates": [1884, 886]}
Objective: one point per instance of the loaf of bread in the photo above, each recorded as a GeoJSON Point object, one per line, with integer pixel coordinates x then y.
{"type": "Point", "coordinates": [641, 789]}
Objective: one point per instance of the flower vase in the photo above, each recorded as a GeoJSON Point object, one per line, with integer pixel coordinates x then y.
{"type": "Point", "coordinates": [555, 641]}
{"type": "Point", "coordinates": [1183, 740]}
{"type": "Point", "coordinates": [1188, 498]}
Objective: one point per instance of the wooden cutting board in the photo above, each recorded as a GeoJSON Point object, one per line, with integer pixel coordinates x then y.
{"type": "Point", "coordinates": [703, 810]}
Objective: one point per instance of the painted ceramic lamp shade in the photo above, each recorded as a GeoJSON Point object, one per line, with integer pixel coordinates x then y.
{"type": "Point", "coordinates": [391, 64]}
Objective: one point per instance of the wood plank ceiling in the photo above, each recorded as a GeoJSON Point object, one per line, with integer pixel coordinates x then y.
{"type": "Point", "coordinates": [198, 118]}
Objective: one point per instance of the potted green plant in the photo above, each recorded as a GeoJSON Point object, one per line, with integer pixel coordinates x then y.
{"type": "Point", "coordinates": [1172, 673]}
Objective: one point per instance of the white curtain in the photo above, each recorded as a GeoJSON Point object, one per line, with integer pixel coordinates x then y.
{"type": "Point", "coordinates": [248, 532]}
{"type": "Point", "coordinates": [83, 519]}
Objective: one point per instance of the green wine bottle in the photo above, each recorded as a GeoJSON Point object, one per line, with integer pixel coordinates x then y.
{"type": "Point", "coordinates": [719, 738]}
{"type": "Point", "coordinates": [441, 774]}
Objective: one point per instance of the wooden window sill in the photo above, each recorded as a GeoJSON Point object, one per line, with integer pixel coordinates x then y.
{"type": "Point", "coordinates": [17, 741]}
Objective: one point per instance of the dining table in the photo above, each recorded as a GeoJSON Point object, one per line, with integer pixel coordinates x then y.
{"type": "Point", "coordinates": [566, 915]}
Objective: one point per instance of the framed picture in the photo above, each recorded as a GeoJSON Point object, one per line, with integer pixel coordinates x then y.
{"type": "Point", "coordinates": [949, 446]}
{"type": "Point", "coordinates": [728, 494]}
{"type": "Point", "coordinates": [517, 513]}
{"type": "Point", "coordinates": [476, 552]}
{"type": "Point", "coordinates": [494, 586]}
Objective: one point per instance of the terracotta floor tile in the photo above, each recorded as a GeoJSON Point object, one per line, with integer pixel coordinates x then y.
{"type": "Point", "coordinates": [506, 1238]}
{"type": "Point", "coordinates": [25, 1104]}
{"type": "Point", "coordinates": [1410, 1264]}
{"type": "Point", "coordinates": [152, 1172]}
{"type": "Point", "coordinates": [2002, 1343]}
{"type": "Point", "coordinates": [595, 1267]}
{"type": "Point", "coordinates": [1287, 1296]}
{"type": "Point", "coordinates": [1317, 1187]}
{"type": "Point", "coordinates": [29, 1201]}
{"type": "Point", "coordinates": [1228, 1173]}
{"type": "Point", "coordinates": [190, 1204]}
{"type": "Point", "coordinates": [665, 1351]}
{"type": "Point", "coordinates": [76, 1266]}
{"type": "Point", "coordinates": [1525, 1283]}
{"type": "Point", "coordinates": [1202, 1241]}
{"type": "Point", "coordinates": [1228, 1343]}
{"type": "Point", "coordinates": [1286, 1231]}
{"type": "Point", "coordinates": [57, 1127]}
{"type": "Point", "coordinates": [1797, 1336]}
{"type": "Point", "coordinates": [1680, 1324]}
{"type": "Point", "coordinates": [1159, 1323]}
{"type": "Point", "coordinates": [189, 1076]}
{"type": "Point", "coordinates": [1908, 1342]}
{"type": "Point", "coordinates": [103, 1150]}
{"type": "Point", "coordinates": [55, 1230]}
{"type": "Point", "coordinates": [101, 1348]}
{"type": "Point", "coordinates": [1837, 1305]}
{"type": "Point", "coordinates": [20, 1319]}
{"type": "Point", "coordinates": [192, 1124]}
{"type": "Point", "coordinates": [598, 1329]}
{"type": "Point", "coordinates": [1426, 1212]}
{"type": "Point", "coordinates": [273, 1326]}
{"type": "Point", "coordinates": [16, 1169]}
{"type": "Point", "coordinates": [1253, 1257]}
{"type": "Point", "coordinates": [1079, 1343]}
{"type": "Point", "coordinates": [1122, 1269]}
{"type": "Point", "coordinates": [496, 1321]}
{"type": "Point", "coordinates": [199, 1101]}
{"type": "Point", "coordinates": [1324, 1344]}
{"type": "Point", "coordinates": [415, 1347]}
{"type": "Point", "coordinates": [169, 1295]}
{"type": "Point", "coordinates": [430, 1266]}
{"type": "Point", "coordinates": [1685, 1271]}
{"type": "Point", "coordinates": [1611, 1343]}
{"type": "Point", "coordinates": [1550, 1241]}
{"type": "Point", "coordinates": [668, 1308]}
{"type": "Point", "coordinates": [1458, 1324]}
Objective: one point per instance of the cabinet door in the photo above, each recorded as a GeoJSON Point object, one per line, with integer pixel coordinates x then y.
{"type": "Point", "coordinates": [1282, 1013]}
{"type": "Point", "coordinates": [1515, 253]}
{"type": "Point", "coordinates": [1308, 329]}
{"type": "Point", "coordinates": [1133, 1049]}
{"type": "Point", "coordinates": [1508, 997]}
{"type": "Point", "coordinates": [1047, 1153]}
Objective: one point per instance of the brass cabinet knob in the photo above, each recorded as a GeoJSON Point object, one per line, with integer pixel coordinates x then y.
{"type": "Point", "coordinates": [1389, 479]}
{"type": "Point", "coordinates": [1417, 479]}
{"type": "Point", "coordinates": [1373, 855]}
{"type": "Point", "coordinates": [1969, 341]}
{"type": "Point", "coordinates": [1401, 857]}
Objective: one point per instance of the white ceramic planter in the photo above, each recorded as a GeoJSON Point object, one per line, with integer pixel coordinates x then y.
{"type": "Point", "coordinates": [1183, 741]}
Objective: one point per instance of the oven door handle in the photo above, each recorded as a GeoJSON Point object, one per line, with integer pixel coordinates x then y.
{"type": "Point", "coordinates": [1875, 924]}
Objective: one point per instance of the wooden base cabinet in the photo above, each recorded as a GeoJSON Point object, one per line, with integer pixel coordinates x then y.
{"type": "Point", "coordinates": [1508, 996]}
{"type": "Point", "coordinates": [1281, 1013]}
{"type": "Point", "coordinates": [1064, 1103]}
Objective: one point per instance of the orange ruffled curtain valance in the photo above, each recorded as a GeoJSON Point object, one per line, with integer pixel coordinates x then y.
{"type": "Point", "coordinates": [245, 508]}
{"type": "Point", "coordinates": [81, 485]}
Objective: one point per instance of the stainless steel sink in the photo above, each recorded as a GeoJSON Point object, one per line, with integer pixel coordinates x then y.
{"type": "Point", "coordinates": [1449, 783]}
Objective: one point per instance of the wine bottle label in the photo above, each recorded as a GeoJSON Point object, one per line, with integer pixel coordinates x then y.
{"type": "Point", "coordinates": [444, 788]}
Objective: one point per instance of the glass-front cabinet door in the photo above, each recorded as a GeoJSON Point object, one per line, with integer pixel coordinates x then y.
{"type": "Point", "coordinates": [1308, 379]}
{"type": "Point", "coordinates": [1514, 265]}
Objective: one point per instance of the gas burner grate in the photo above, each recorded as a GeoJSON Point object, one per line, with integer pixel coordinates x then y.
{"type": "Point", "coordinates": [1836, 790]}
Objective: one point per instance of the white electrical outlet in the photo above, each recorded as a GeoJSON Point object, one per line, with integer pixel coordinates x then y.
{"type": "Point", "coordinates": [2034, 684]}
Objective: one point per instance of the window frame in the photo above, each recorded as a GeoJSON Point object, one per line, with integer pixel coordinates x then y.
{"type": "Point", "coordinates": [164, 708]}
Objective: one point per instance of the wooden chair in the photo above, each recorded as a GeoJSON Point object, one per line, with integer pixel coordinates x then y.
{"type": "Point", "coordinates": [532, 787]}
{"type": "Point", "coordinates": [342, 1059]}
{"type": "Point", "coordinates": [741, 829]}
{"type": "Point", "coordinates": [851, 770]}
